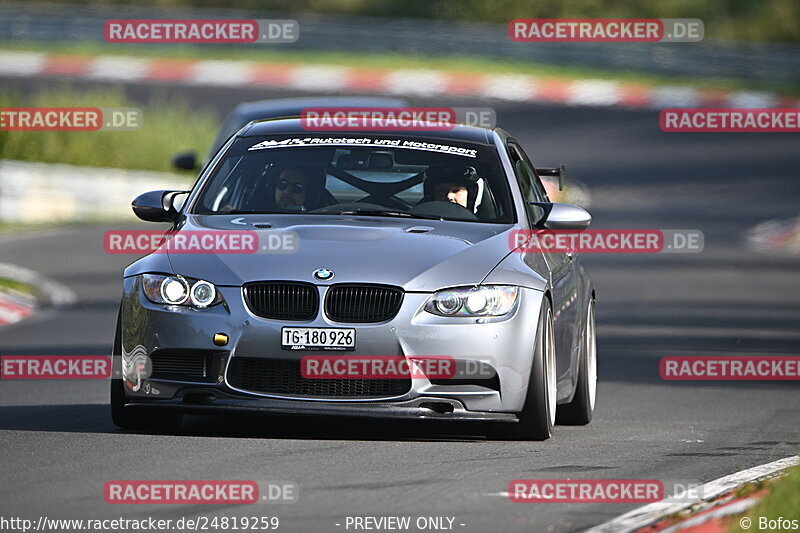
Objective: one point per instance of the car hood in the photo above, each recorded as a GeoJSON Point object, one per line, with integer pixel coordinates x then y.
{"type": "Point", "coordinates": [416, 254]}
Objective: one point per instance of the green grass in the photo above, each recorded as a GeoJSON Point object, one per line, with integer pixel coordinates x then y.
{"type": "Point", "coordinates": [7, 284]}
{"type": "Point", "coordinates": [478, 65]}
{"type": "Point", "coordinates": [169, 125]}
{"type": "Point", "coordinates": [757, 20]}
{"type": "Point", "coordinates": [782, 500]}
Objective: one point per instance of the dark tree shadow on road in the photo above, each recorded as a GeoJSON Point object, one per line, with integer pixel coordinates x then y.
{"type": "Point", "coordinates": [96, 418]}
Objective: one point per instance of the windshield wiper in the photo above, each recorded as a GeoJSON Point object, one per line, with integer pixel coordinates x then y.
{"type": "Point", "coordinates": [379, 213]}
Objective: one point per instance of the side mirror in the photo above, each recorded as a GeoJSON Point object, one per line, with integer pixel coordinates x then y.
{"type": "Point", "coordinates": [185, 161]}
{"type": "Point", "coordinates": [157, 206]}
{"type": "Point", "coordinates": [563, 216]}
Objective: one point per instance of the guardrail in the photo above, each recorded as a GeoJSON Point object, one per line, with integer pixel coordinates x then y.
{"type": "Point", "coordinates": [43, 192]}
{"type": "Point", "coordinates": [36, 22]}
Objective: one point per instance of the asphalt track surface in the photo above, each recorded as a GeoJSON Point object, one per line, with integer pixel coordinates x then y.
{"type": "Point", "coordinates": [59, 446]}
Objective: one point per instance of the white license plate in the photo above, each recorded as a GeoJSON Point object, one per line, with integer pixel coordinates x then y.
{"type": "Point", "coordinates": [318, 338]}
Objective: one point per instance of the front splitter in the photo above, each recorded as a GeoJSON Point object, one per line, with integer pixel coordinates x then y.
{"type": "Point", "coordinates": [424, 408]}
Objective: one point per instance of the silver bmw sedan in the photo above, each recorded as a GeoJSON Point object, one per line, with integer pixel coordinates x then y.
{"type": "Point", "coordinates": [361, 274]}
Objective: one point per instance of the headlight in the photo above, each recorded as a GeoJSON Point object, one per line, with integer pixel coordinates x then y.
{"type": "Point", "coordinates": [203, 293]}
{"type": "Point", "coordinates": [491, 300]}
{"type": "Point", "coordinates": [178, 290]}
{"type": "Point", "coordinates": [174, 291]}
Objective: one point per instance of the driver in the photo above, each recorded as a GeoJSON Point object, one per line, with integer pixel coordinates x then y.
{"type": "Point", "coordinates": [290, 188]}
{"type": "Point", "coordinates": [297, 187]}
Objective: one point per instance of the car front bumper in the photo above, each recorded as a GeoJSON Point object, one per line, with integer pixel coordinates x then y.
{"type": "Point", "coordinates": [503, 344]}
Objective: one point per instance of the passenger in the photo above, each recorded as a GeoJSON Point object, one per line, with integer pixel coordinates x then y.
{"type": "Point", "coordinates": [453, 184]}
{"type": "Point", "coordinates": [451, 192]}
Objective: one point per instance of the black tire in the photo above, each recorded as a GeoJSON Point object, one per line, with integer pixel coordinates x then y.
{"type": "Point", "coordinates": [139, 419]}
{"type": "Point", "coordinates": [580, 410]}
{"type": "Point", "coordinates": [537, 417]}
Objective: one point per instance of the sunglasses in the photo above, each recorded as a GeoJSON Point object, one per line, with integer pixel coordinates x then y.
{"type": "Point", "coordinates": [297, 188]}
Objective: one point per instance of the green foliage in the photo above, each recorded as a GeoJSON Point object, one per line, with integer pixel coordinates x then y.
{"type": "Point", "coordinates": [757, 20]}
{"type": "Point", "coordinates": [782, 501]}
{"type": "Point", "coordinates": [169, 125]}
{"type": "Point", "coordinates": [7, 284]}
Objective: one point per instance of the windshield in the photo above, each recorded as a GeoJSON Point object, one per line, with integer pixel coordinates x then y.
{"type": "Point", "coordinates": [378, 176]}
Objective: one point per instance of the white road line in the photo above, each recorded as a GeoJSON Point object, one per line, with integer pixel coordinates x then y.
{"type": "Point", "coordinates": [56, 293]}
{"type": "Point", "coordinates": [737, 507]}
{"type": "Point", "coordinates": [650, 513]}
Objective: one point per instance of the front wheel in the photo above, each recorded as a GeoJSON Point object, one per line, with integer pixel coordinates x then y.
{"type": "Point", "coordinates": [579, 411]}
{"type": "Point", "coordinates": [126, 417]}
{"type": "Point", "coordinates": [538, 415]}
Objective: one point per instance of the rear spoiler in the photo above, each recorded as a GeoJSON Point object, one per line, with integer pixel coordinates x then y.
{"type": "Point", "coordinates": [561, 172]}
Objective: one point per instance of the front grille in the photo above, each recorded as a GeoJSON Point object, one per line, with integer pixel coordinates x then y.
{"type": "Point", "coordinates": [181, 365]}
{"type": "Point", "coordinates": [362, 303]}
{"type": "Point", "coordinates": [282, 300]}
{"type": "Point", "coordinates": [283, 377]}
